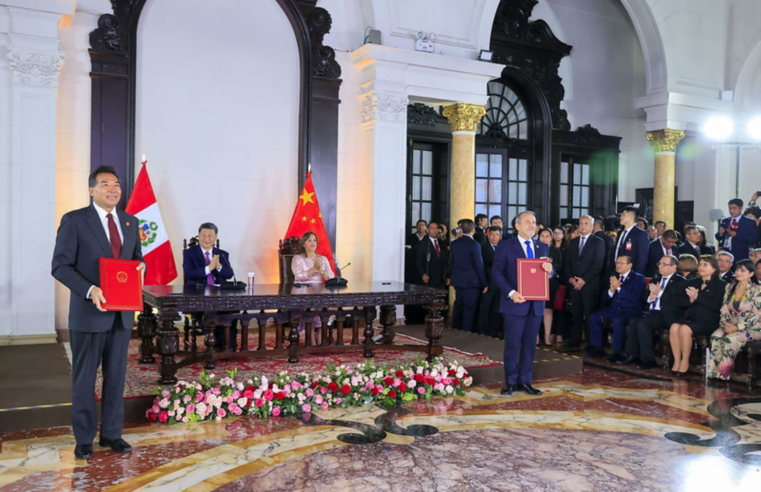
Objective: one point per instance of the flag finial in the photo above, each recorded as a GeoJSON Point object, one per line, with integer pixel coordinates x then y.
{"type": "Point", "coordinates": [144, 156]}
{"type": "Point", "coordinates": [309, 168]}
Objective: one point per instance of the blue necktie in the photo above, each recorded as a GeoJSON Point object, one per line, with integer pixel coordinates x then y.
{"type": "Point", "coordinates": [529, 251]}
{"type": "Point", "coordinates": [652, 304]}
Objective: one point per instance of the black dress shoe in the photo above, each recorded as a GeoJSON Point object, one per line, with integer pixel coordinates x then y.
{"type": "Point", "coordinates": [616, 357]}
{"type": "Point", "coordinates": [628, 359]}
{"type": "Point", "coordinates": [594, 352]}
{"type": "Point", "coordinates": [572, 346]}
{"type": "Point", "coordinates": [118, 445]}
{"type": "Point", "coordinates": [507, 390]}
{"type": "Point", "coordinates": [527, 388]}
{"type": "Point", "coordinates": [83, 451]}
{"type": "Point", "coordinates": [647, 364]}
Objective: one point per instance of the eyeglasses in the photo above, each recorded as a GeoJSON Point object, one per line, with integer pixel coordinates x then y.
{"type": "Point", "coordinates": [557, 233]}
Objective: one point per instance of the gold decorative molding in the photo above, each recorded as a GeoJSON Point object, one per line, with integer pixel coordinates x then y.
{"type": "Point", "coordinates": [665, 140]}
{"type": "Point", "coordinates": [464, 116]}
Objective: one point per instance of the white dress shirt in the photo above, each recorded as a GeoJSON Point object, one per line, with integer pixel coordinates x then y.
{"type": "Point", "coordinates": [611, 294]}
{"type": "Point", "coordinates": [525, 252]}
{"type": "Point", "coordinates": [102, 215]}
{"type": "Point", "coordinates": [624, 235]}
{"type": "Point", "coordinates": [211, 255]}
{"type": "Point", "coordinates": [658, 298]}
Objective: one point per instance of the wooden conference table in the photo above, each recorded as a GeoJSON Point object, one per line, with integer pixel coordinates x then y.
{"type": "Point", "coordinates": [286, 305]}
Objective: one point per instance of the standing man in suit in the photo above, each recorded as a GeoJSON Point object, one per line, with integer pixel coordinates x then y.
{"type": "Point", "coordinates": [522, 318]}
{"type": "Point", "coordinates": [482, 221]}
{"type": "Point", "coordinates": [691, 244]}
{"type": "Point", "coordinates": [737, 233]}
{"type": "Point", "coordinates": [659, 248]}
{"type": "Point", "coordinates": [496, 221]}
{"type": "Point", "coordinates": [599, 230]}
{"type": "Point", "coordinates": [632, 241]}
{"type": "Point", "coordinates": [666, 299]}
{"type": "Point", "coordinates": [432, 263]}
{"type": "Point", "coordinates": [660, 228]}
{"type": "Point", "coordinates": [624, 301]}
{"type": "Point", "coordinates": [489, 320]}
{"type": "Point", "coordinates": [97, 336]}
{"type": "Point", "coordinates": [468, 277]}
{"type": "Point", "coordinates": [586, 258]}
{"type": "Point", "coordinates": [205, 264]}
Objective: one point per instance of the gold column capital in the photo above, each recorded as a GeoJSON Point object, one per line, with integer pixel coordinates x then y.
{"type": "Point", "coordinates": [665, 140]}
{"type": "Point", "coordinates": [464, 116]}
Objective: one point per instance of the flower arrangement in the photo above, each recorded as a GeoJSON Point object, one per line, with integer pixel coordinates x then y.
{"type": "Point", "coordinates": [288, 394]}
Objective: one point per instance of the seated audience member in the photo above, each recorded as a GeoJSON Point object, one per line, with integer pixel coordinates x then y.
{"type": "Point", "coordinates": [660, 228]}
{"type": "Point", "coordinates": [632, 241]}
{"type": "Point", "coordinates": [691, 245]}
{"type": "Point", "coordinates": [706, 294]}
{"type": "Point", "coordinates": [739, 321]}
{"type": "Point", "coordinates": [688, 266]}
{"type": "Point", "coordinates": [624, 301]}
{"type": "Point", "coordinates": [663, 246]}
{"type": "Point", "coordinates": [206, 264]}
{"type": "Point", "coordinates": [666, 299]}
{"type": "Point", "coordinates": [489, 320]}
{"type": "Point", "coordinates": [725, 260]}
{"type": "Point", "coordinates": [468, 277]}
{"type": "Point", "coordinates": [737, 233]}
{"type": "Point", "coordinates": [706, 247]}
{"type": "Point", "coordinates": [758, 269]}
{"type": "Point", "coordinates": [556, 256]}
{"type": "Point", "coordinates": [310, 268]}
{"type": "Point", "coordinates": [755, 255]}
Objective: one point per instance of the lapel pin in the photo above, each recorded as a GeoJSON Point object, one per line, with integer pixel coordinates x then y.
{"type": "Point", "coordinates": [127, 223]}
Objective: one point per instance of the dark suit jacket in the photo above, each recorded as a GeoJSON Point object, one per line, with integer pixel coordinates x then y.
{"type": "Point", "coordinates": [654, 255]}
{"type": "Point", "coordinates": [729, 277]}
{"type": "Point", "coordinates": [686, 249]}
{"type": "Point", "coordinates": [589, 265]}
{"type": "Point", "coordinates": [636, 245]}
{"type": "Point", "coordinates": [80, 244]}
{"type": "Point", "coordinates": [480, 236]}
{"type": "Point", "coordinates": [194, 266]}
{"type": "Point", "coordinates": [674, 299]}
{"type": "Point", "coordinates": [629, 298]}
{"type": "Point", "coordinates": [488, 252]}
{"type": "Point", "coordinates": [610, 247]}
{"type": "Point", "coordinates": [467, 267]}
{"type": "Point", "coordinates": [747, 235]}
{"type": "Point", "coordinates": [707, 306]}
{"type": "Point", "coordinates": [436, 266]}
{"type": "Point", "coordinates": [505, 272]}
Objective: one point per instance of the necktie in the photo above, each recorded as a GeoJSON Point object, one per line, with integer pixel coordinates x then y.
{"type": "Point", "coordinates": [655, 302]}
{"type": "Point", "coordinates": [116, 241]}
{"type": "Point", "coordinates": [621, 242]}
{"type": "Point", "coordinates": [436, 247]}
{"type": "Point", "coordinates": [581, 246]}
{"type": "Point", "coordinates": [210, 276]}
{"type": "Point", "coordinates": [529, 251]}
{"type": "Point", "coordinates": [697, 251]}
{"type": "Point", "coordinates": [621, 279]}
{"type": "Point", "coordinates": [668, 251]}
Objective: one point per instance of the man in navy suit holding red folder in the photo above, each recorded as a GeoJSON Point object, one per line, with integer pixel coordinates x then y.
{"type": "Point", "coordinates": [522, 317]}
{"type": "Point", "coordinates": [96, 335]}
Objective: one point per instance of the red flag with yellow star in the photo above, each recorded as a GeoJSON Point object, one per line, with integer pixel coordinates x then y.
{"type": "Point", "coordinates": [307, 218]}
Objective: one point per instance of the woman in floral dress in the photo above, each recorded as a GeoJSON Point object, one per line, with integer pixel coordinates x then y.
{"type": "Point", "coordinates": [740, 321]}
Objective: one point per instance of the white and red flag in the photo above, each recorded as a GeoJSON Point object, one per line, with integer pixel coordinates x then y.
{"type": "Point", "coordinates": [157, 251]}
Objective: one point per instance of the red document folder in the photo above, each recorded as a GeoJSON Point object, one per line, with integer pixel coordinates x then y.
{"type": "Point", "coordinates": [533, 281]}
{"type": "Point", "coordinates": [122, 285]}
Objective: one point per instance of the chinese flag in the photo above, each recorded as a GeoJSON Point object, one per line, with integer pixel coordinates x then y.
{"type": "Point", "coordinates": [307, 218]}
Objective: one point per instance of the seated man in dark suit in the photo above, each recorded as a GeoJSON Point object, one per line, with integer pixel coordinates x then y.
{"type": "Point", "coordinates": [737, 233]}
{"type": "Point", "coordinates": [632, 241]}
{"type": "Point", "coordinates": [205, 264]}
{"type": "Point", "coordinates": [692, 243]}
{"type": "Point", "coordinates": [658, 249]}
{"type": "Point", "coordinates": [624, 299]}
{"type": "Point", "coordinates": [468, 277]}
{"type": "Point", "coordinates": [726, 260]}
{"type": "Point", "coordinates": [489, 319]}
{"type": "Point", "coordinates": [666, 299]}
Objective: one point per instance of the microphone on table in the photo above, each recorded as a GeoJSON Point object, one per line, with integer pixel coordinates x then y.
{"type": "Point", "coordinates": [338, 280]}
{"type": "Point", "coordinates": [234, 285]}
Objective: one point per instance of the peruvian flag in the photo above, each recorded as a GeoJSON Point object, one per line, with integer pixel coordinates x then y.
{"type": "Point", "coordinates": [308, 218]}
{"type": "Point", "coordinates": [157, 252]}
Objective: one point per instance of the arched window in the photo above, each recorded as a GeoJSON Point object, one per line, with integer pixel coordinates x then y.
{"type": "Point", "coordinates": [503, 153]}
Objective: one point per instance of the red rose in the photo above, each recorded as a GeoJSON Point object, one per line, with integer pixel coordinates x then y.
{"type": "Point", "coordinates": [452, 372]}
{"type": "Point", "coordinates": [374, 391]}
{"type": "Point", "coordinates": [456, 382]}
{"type": "Point", "coordinates": [151, 416]}
{"type": "Point", "coordinates": [392, 394]}
{"type": "Point", "coordinates": [388, 380]}
{"type": "Point", "coordinates": [429, 380]}
{"type": "Point", "coordinates": [402, 387]}
{"type": "Point", "coordinates": [315, 384]}
{"type": "Point", "coordinates": [419, 378]}
{"type": "Point", "coordinates": [279, 395]}
{"type": "Point", "coordinates": [250, 388]}
{"type": "Point", "coordinates": [399, 373]}
{"type": "Point", "coordinates": [163, 416]}
{"type": "Point", "coordinates": [333, 387]}
{"type": "Point", "coordinates": [345, 389]}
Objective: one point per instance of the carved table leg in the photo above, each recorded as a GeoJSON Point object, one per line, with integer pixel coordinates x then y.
{"type": "Point", "coordinates": [434, 328]}
{"type": "Point", "coordinates": [354, 331]}
{"type": "Point", "coordinates": [293, 340]}
{"type": "Point", "coordinates": [368, 343]}
{"type": "Point", "coordinates": [209, 340]}
{"type": "Point", "coordinates": [146, 329]}
{"type": "Point", "coordinates": [279, 328]}
{"type": "Point", "coordinates": [262, 334]}
{"type": "Point", "coordinates": [186, 338]}
{"type": "Point", "coordinates": [388, 320]}
{"type": "Point", "coordinates": [244, 334]}
{"type": "Point", "coordinates": [168, 344]}
{"type": "Point", "coordinates": [339, 324]}
{"type": "Point", "coordinates": [226, 347]}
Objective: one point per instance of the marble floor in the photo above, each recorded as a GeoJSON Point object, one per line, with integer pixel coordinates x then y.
{"type": "Point", "coordinates": [602, 430]}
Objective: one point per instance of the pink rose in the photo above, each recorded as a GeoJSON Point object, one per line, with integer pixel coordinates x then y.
{"type": "Point", "coordinates": [216, 390]}
{"type": "Point", "coordinates": [221, 413]}
{"type": "Point", "coordinates": [248, 394]}
{"type": "Point", "coordinates": [186, 398]}
{"type": "Point", "coordinates": [230, 400]}
{"type": "Point", "coordinates": [397, 382]}
{"type": "Point", "coordinates": [268, 395]}
{"type": "Point", "coordinates": [318, 400]}
{"type": "Point", "coordinates": [446, 381]}
{"type": "Point", "coordinates": [309, 392]}
{"type": "Point", "coordinates": [325, 405]}
{"type": "Point", "coordinates": [421, 390]}
{"type": "Point", "coordinates": [259, 402]}
{"type": "Point", "coordinates": [295, 385]}
{"type": "Point", "coordinates": [185, 419]}
{"type": "Point", "coordinates": [276, 412]}
{"type": "Point", "coordinates": [236, 394]}
{"type": "Point", "coordinates": [199, 397]}
{"type": "Point", "coordinates": [191, 408]}
{"type": "Point", "coordinates": [338, 401]}
{"type": "Point", "coordinates": [163, 416]}
{"type": "Point", "coordinates": [155, 409]}
{"type": "Point", "coordinates": [323, 390]}
{"type": "Point", "coordinates": [306, 408]}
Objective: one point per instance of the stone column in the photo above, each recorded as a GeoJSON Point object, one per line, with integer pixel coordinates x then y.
{"type": "Point", "coordinates": [28, 160]}
{"type": "Point", "coordinates": [664, 142]}
{"type": "Point", "coordinates": [464, 119]}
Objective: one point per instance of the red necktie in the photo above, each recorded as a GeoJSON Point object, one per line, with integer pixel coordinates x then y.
{"type": "Point", "coordinates": [116, 241]}
{"type": "Point", "coordinates": [697, 251]}
{"type": "Point", "coordinates": [436, 247]}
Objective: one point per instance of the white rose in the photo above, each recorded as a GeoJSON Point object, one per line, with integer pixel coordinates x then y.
{"type": "Point", "coordinates": [449, 389]}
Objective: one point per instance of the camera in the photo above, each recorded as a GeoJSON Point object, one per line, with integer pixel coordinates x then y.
{"type": "Point", "coordinates": [456, 231]}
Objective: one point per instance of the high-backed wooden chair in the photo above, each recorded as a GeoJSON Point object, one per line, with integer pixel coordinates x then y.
{"type": "Point", "coordinates": [286, 251]}
{"type": "Point", "coordinates": [192, 331]}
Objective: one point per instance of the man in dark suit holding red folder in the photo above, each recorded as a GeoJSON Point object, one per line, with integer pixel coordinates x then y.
{"type": "Point", "coordinates": [522, 318]}
{"type": "Point", "coordinates": [96, 335]}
